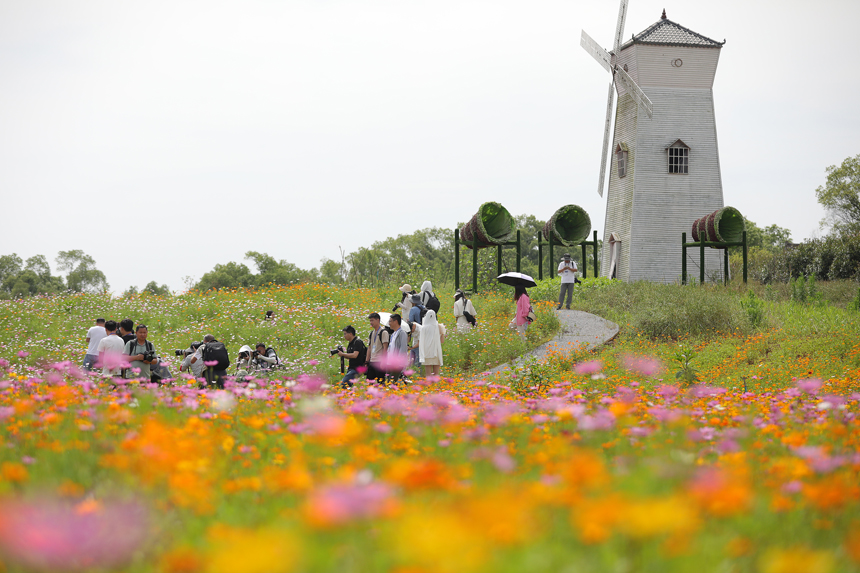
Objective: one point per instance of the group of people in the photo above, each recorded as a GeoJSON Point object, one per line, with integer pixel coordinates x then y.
{"type": "Point", "coordinates": [122, 350]}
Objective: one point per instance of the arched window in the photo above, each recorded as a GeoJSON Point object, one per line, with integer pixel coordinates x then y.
{"type": "Point", "coordinates": [621, 159]}
{"type": "Point", "coordinates": [679, 157]}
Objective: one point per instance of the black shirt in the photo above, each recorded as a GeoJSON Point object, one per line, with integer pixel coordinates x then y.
{"type": "Point", "coordinates": [129, 337]}
{"type": "Point", "coordinates": [357, 344]}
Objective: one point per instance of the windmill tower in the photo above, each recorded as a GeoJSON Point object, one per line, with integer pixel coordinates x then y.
{"type": "Point", "coordinates": [663, 156]}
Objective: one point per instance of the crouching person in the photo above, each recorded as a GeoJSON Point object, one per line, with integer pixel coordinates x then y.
{"type": "Point", "coordinates": [356, 353]}
{"type": "Point", "coordinates": [215, 359]}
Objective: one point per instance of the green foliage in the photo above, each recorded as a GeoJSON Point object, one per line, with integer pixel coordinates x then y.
{"type": "Point", "coordinates": [830, 258]}
{"type": "Point", "coordinates": [771, 238]}
{"type": "Point", "coordinates": [83, 276]}
{"type": "Point", "coordinates": [840, 196]}
{"type": "Point", "coordinates": [530, 376]}
{"type": "Point", "coordinates": [754, 308]}
{"type": "Point", "coordinates": [19, 280]}
{"type": "Point", "coordinates": [687, 374]}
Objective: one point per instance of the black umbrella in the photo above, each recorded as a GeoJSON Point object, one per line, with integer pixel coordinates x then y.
{"type": "Point", "coordinates": [516, 279]}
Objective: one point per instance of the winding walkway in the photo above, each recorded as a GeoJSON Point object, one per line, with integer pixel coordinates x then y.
{"type": "Point", "coordinates": [579, 330]}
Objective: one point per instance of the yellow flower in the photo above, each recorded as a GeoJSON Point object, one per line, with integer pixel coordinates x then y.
{"type": "Point", "coordinates": [237, 550]}
{"type": "Point", "coordinates": [796, 560]}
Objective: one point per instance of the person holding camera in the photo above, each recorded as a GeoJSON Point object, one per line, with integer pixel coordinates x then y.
{"type": "Point", "coordinates": [405, 303]}
{"type": "Point", "coordinates": [355, 352]}
{"type": "Point", "coordinates": [567, 270]}
{"type": "Point", "coordinates": [141, 353]}
{"type": "Point", "coordinates": [214, 352]}
{"type": "Point", "coordinates": [265, 357]}
{"type": "Point", "coordinates": [245, 363]}
{"type": "Point", "coordinates": [195, 368]}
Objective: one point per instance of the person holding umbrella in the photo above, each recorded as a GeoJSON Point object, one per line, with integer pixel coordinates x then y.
{"type": "Point", "coordinates": [522, 318]}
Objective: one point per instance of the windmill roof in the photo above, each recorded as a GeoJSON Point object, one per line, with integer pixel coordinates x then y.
{"type": "Point", "coordinates": [665, 32]}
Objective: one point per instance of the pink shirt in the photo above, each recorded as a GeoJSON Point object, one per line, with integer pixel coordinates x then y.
{"type": "Point", "coordinates": [523, 305]}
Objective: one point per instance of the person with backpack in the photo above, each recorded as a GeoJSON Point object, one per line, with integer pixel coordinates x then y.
{"type": "Point", "coordinates": [428, 297]}
{"type": "Point", "coordinates": [464, 312]}
{"type": "Point", "coordinates": [266, 357]}
{"type": "Point", "coordinates": [405, 304]}
{"type": "Point", "coordinates": [213, 351]}
{"type": "Point", "coordinates": [416, 313]}
{"type": "Point", "coordinates": [377, 347]}
{"type": "Point", "coordinates": [141, 353]}
{"type": "Point", "coordinates": [355, 352]}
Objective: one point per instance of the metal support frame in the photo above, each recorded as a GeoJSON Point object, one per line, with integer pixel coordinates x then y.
{"type": "Point", "coordinates": [714, 245]}
{"type": "Point", "coordinates": [474, 245]}
{"type": "Point", "coordinates": [551, 243]}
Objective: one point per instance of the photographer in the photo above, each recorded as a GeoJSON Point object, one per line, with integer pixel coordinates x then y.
{"type": "Point", "coordinates": [141, 353]}
{"type": "Point", "coordinates": [266, 358]}
{"type": "Point", "coordinates": [197, 367]}
{"type": "Point", "coordinates": [245, 363]}
{"type": "Point", "coordinates": [356, 352]}
{"type": "Point", "coordinates": [213, 351]}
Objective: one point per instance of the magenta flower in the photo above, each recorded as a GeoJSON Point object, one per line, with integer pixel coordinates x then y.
{"type": "Point", "coordinates": [58, 536]}
{"type": "Point", "coordinates": [340, 504]}
{"type": "Point", "coordinates": [590, 367]}
{"type": "Point", "coordinates": [211, 363]}
{"type": "Point", "coordinates": [361, 369]}
{"type": "Point", "coordinates": [644, 365]}
{"type": "Point", "coordinates": [23, 354]}
{"type": "Point", "coordinates": [112, 361]}
{"type": "Point", "coordinates": [810, 386]}
{"type": "Point", "coordinates": [393, 362]}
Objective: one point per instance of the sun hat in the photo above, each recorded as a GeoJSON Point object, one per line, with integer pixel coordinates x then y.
{"type": "Point", "coordinates": [405, 288]}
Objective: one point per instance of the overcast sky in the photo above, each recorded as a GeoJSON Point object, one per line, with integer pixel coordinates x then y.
{"type": "Point", "coordinates": [163, 138]}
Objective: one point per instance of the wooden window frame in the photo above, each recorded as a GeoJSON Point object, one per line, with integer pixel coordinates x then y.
{"type": "Point", "coordinates": [678, 158]}
{"type": "Point", "coordinates": [621, 160]}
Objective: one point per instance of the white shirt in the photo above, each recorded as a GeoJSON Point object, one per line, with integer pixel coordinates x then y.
{"type": "Point", "coordinates": [95, 334]}
{"type": "Point", "coordinates": [568, 276]}
{"type": "Point", "coordinates": [114, 345]}
{"type": "Point", "coordinates": [196, 368]}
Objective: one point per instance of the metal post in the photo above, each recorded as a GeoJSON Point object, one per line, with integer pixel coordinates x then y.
{"type": "Point", "coordinates": [726, 266]}
{"type": "Point", "coordinates": [745, 256]}
{"type": "Point", "coordinates": [701, 260]}
{"type": "Point", "coordinates": [540, 257]}
{"type": "Point", "coordinates": [596, 270]}
{"type": "Point", "coordinates": [584, 261]}
{"type": "Point", "coordinates": [683, 258]}
{"type": "Point", "coordinates": [474, 262]}
{"type": "Point", "coordinates": [499, 260]}
{"type": "Point", "coordinates": [519, 252]}
{"type": "Point", "coordinates": [457, 258]}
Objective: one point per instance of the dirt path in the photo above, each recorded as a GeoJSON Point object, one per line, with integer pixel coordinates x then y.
{"type": "Point", "coordinates": [578, 330]}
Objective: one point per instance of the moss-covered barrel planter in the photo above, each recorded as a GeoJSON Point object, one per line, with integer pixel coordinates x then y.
{"type": "Point", "coordinates": [491, 225]}
{"type": "Point", "coordinates": [570, 225]}
{"type": "Point", "coordinates": [724, 225]}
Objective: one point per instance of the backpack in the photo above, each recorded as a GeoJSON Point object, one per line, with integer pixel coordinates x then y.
{"type": "Point", "coordinates": [432, 304]}
{"type": "Point", "coordinates": [470, 318]}
{"type": "Point", "coordinates": [216, 351]}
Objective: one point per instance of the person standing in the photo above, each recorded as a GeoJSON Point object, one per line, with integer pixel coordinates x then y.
{"type": "Point", "coordinates": [377, 347]}
{"type": "Point", "coordinates": [126, 330]}
{"type": "Point", "coordinates": [463, 307]}
{"type": "Point", "coordinates": [430, 349]}
{"type": "Point", "coordinates": [398, 347]}
{"type": "Point", "coordinates": [415, 312]}
{"type": "Point", "coordinates": [213, 351]}
{"type": "Point", "coordinates": [567, 269]}
{"type": "Point", "coordinates": [405, 304]}
{"type": "Point", "coordinates": [141, 353]}
{"type": "Point", "coordinates": [521, 319]}
{"type": "Point", "coordinates": [109, 350]}
{"type": "Point", "coordinates": [94, 336]}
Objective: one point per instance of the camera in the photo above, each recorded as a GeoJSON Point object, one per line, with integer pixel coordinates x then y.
{"type": "Point", "coordinates": [184, 352]}
{"type": "Point", "coordinates": [336, 350]}
{"type": "Point", "coordinates": [148, 356]}
{"type": "Point", "coordinates": [243, 356]}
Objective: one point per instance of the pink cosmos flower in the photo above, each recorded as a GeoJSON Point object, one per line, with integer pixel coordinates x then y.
{"type": "Point", "coordinates": [810, 386]}
{"type": "Point", "coordinates": [313, 362]}
{"type": "Point", "coordinates": [113, 360]}
{"type": "Point", "coordinates": [503, 461]}
{"type": "Point", "coordinates": [23, 354]}
{"type": "Point", "coordinates": [393, 362]}
{"type": "Point", "coordinates": [590, 367]}
{"type": "Point", "coordinates": [340, 504]}
{"type": "Point", "coordinates": [211, 363]}
{"type": "Point", "coordinates": [57, 536]}
{"type": "Point", "coordinates": [644, 365]}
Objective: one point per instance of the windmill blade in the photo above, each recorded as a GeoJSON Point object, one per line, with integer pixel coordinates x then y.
{"type": "Point", "coordinates": [619, 28]}
{"type": "Point", "coordinates": [606, 141]}
{"type": "Point", "coordinates": [634, 90]}
{"type": "Point", "coordinates": [598, 53]}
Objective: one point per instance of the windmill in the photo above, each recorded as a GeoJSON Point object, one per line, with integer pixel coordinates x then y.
{"type": "Point", "coordinates": [662, 157]}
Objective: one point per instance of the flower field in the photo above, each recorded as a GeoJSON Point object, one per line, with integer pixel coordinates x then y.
{"type": "Point", "coordinates": [586, 462]}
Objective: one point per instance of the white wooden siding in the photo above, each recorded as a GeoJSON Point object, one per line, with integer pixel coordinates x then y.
{"type": "Point", "coordinates": [664, 204]}
{"type": "Point", "coordinates": [654, 66]}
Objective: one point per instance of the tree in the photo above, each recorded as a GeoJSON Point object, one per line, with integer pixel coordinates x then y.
{"type": "Point", "coordinates": [83, 275]}
{"type": "Point", "coordinates": [153, 288]}
{"type": "Point", "coordinates": [271, 271]}
{"type": "Point", "coordinates": [331, 272]}
{"type": "Point", "coordinates": [771, 238]}
{"type": "Point", "coordinates": [231, 275]}
{"type": "Point", "coordinates": [34, 278]}
{"type": "Point", "coordinates": [840, 197]}
{"type": "Point", "coordinates": [10, 266]}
